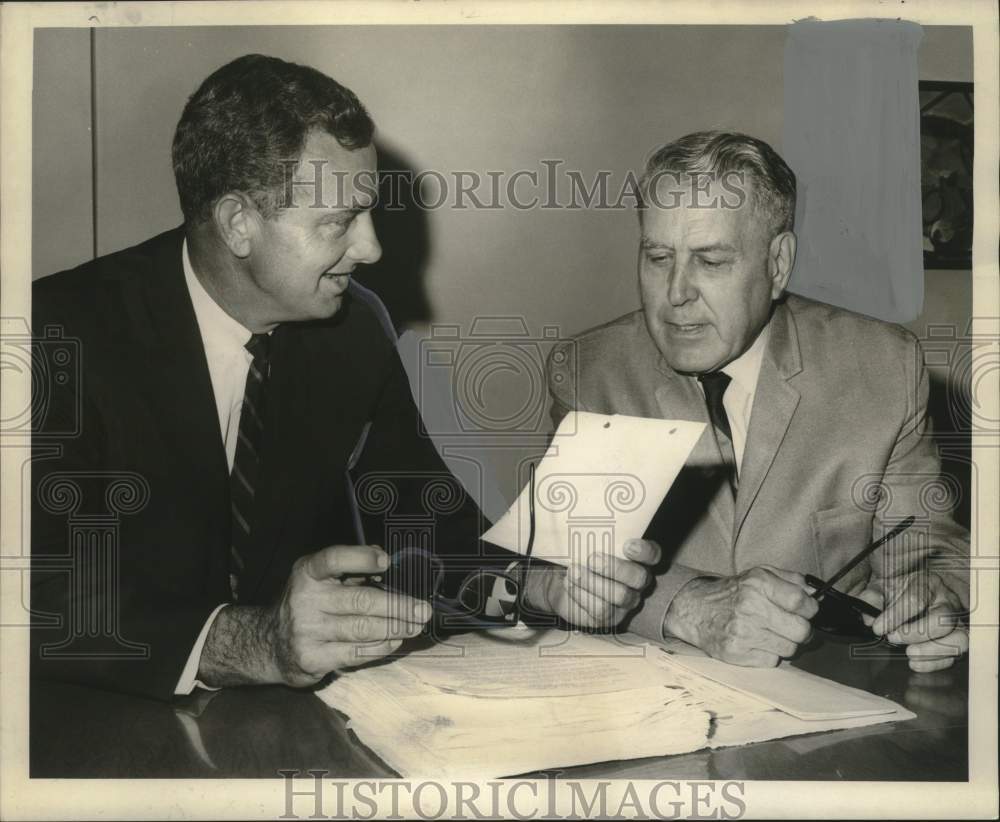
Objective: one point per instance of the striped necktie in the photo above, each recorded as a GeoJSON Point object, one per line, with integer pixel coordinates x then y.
{"type": "Point", "coordinates": [246, 464]}
{"type": "Point", "coordinates": [715, 385]}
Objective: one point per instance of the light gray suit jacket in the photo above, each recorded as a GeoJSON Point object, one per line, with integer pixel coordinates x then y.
{"type": "Point", "coordinates": [838, 450]}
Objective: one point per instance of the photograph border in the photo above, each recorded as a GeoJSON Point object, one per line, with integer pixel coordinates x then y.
{"type": "Point", "coordinates": [24, 798]}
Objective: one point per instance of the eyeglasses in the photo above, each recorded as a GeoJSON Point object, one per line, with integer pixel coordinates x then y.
{"type": "Point", "coordinates": [486, 598]}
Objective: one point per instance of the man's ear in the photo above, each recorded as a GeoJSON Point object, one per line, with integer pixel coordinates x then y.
{"type": "Point", "coordinates": [236, 221]}
{"type": "Point", "coordinates": [780, 259]}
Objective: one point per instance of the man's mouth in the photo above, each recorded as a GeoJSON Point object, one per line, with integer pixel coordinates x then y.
{"type": "Point", "coordinates": [339, 278]}
{"type": "Point", "coordinates": [686, 328]}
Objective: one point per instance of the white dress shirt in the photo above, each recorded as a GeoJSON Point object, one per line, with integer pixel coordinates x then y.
{"type": "Point", "coordinates": [229, 361]}
{"type": "Point", "coordinates": [738, 399]}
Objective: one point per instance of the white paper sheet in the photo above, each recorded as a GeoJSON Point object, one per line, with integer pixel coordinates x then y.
{"type": "Point", "coordinates": [598, 486]}
{"type": "Point", "coordinates": [493, 666]}
{"type": "Point", "coordinates": [790, 690]}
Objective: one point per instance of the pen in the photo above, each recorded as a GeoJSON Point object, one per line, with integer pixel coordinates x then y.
{"type": "Point", "coordinates": [906, 523]}
{"type": "Point", "coordinates": [851, 602]}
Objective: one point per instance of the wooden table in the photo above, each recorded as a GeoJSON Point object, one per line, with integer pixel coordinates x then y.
{"type": "Point", "coordinates": [256, 732]}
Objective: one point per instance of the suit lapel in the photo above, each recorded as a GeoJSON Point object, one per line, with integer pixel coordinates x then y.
{"type": "Point", "coordinates": [174, 382]}
{"type": "Point", "coordinates": [774, 405]}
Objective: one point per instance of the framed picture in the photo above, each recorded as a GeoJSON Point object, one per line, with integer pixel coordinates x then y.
{"type": "Point", "coordinates": [946, 144]}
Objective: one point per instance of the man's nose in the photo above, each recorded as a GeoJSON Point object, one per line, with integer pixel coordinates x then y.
{"type": "Point", "coordinates": [680, 288]}
{"type": "Point", "coordinates": [365, 247]}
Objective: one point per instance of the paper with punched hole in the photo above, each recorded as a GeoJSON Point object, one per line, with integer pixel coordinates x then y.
{"type": "Point", "coordinates": [599, 485]}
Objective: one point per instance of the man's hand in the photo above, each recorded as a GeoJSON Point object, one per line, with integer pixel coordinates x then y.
{"type": "Point", "coordinates": [599, 594]}
{"type": "Point", "coordinates": [754, 618]}
{"type": "Point", "coordinates": [321, 623]}
{"type": "Point", "coordinates": [922, 616]}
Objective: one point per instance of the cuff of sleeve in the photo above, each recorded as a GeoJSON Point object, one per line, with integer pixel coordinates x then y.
{"type": "Point", "coordinates": [189, 676]}
{"type": "Point", "coordinates": [648, 622]}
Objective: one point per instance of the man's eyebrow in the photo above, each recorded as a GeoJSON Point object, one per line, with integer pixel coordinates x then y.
{"type": "Point", "coordinates": [647, 243]}
{"type": "Point", "coordinates": [714, 247]}
{"type": "Point", "coordinates": [346, 214]}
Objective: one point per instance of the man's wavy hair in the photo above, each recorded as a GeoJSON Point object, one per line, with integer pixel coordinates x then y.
{"type": "Point", "coordinates": [249, 116]}
{"type": "Point", "coordinates": [722, 152]}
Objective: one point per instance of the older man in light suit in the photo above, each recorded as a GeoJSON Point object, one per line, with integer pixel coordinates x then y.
{"type": "Point", "coordinates": [818, 439]}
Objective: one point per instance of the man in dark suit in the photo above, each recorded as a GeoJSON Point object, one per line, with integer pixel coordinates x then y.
{"type": "Point", "coordinates": [233, 383]}
{"type": "Point", "coordinates": [818, 441]}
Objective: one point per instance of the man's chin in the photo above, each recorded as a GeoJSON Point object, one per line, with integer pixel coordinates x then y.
{"type": "Point", "coordinates": [691, 367]}
{"type": "Point", "coordinates": [689, 360]}
{"type": "Point", "coordinates": [324, 309]}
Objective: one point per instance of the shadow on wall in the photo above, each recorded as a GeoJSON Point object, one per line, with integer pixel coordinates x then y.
{"type": "Point", "coordinates": [402, 229]}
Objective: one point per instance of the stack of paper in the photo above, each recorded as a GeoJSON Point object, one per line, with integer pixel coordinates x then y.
{"type": "Point", "coordinates": [501, 704]}
{"type": "Point", "coordinates": [509, 702]}
{"type": "Point", "coordinates": [757, 704]}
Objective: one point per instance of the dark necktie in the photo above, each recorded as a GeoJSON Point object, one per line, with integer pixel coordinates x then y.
{"type": "Point", "coordinates": [715, 385]}
{"type": "Point", "coordinates": [246, 463]}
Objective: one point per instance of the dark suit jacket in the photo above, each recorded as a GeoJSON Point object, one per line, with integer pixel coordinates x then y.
{"type": "Point", "coordinates": [130, 506]}
{"type": "Point", "coordinates": [839, 445]}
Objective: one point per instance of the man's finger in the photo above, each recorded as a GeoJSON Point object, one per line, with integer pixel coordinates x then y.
{"type": "Point", "coordinates": [775, 619]}
{"type": "Point", "coordinates": [792, 577]}
{"type": "Point", "coordinates": [952, 645]}
{"type": "Point", "coordinates": [755, 658]}
{"type": "Point", "coordinates": [770, 642]}
{"type": "Point", "coordinates": [936, 623]}
{"type": "Point", "coordinates": [603, 588]}
{"type": "Point", "coordinates": [577, 612]}
{"type": "Point", "coordinates": [337, 560]}
{"type": "Point", "coordinates": [875, 598]}
{"type": "Point", "coordinates": [628, 573]}
{"type": "Point", "coordinates": [322, 657]}
{"type": "Point", "coordinates": [643, 550]}
{"type": "Point", "coordinates": [364, 600]}
{"type": "Point", "coordinates": [355, 629]}
{"type": "Point", "coordinates": [908, 604]}
{"type": "Point", "coordinates": [363, 652]}
{"type": "Point", "coordinates": [592, 611]}
{"type": "Point", "coordinates": [791, 627]}
{"type": "Point", "coordinates": [790, 596]}
{"type": "Point", "coordinates": [938, 654]}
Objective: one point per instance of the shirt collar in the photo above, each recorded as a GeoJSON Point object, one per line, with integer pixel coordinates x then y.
{"type": "Point", "coordinates": [746, 367]}
{"type": "Point", "coordinates": [220, 333]}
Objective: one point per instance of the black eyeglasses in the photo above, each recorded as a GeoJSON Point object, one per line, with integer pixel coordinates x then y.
{"type": "Point", "coordinates": [486, 598]}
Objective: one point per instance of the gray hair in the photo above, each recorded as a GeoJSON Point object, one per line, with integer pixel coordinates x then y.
{"type": "Point", "coordinates": [723, 152]}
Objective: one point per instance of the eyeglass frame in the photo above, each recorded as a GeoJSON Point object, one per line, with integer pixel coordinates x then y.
{"type": "Point", "coordinates": [453, 612]}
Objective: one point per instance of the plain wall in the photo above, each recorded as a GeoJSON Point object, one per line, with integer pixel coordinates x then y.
{"type": "Point", "coordinates": [62, 228]}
